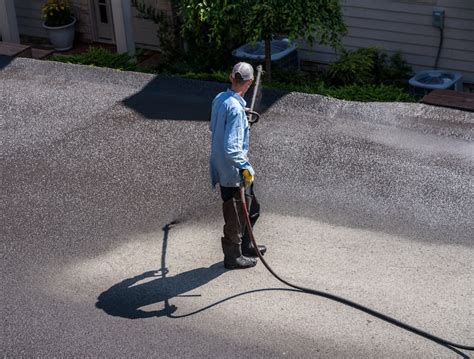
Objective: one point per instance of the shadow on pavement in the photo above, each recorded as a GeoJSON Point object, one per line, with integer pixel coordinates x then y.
{"type": "Point", "coordinates": [4, 61]}
{"type": "Point", "coordinates": [173, 98]}
{"type": "Point", "coordinates": [127, 297]}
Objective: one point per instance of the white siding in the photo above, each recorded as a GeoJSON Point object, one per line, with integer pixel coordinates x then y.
{"type": "Point", "coordinates": [406, 25]}
{"type": "Point", "coordinates": [146, 31]}
{"type": "Point", "coordinates": [30, 18]}
{"type": "Point", "coordinates": [28, 14]}
{"type": "Point", "coordinates": [393, 25]}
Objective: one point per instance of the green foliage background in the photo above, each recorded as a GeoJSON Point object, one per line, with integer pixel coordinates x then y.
{"type": "Point", "coordinates": [388, 90]}
{"type": "Point", "coordinates": [368, 66]}
{"type": "Point", "coordinates": [57, 13]}
{"type": "Point", "coordinates": [211, 29]}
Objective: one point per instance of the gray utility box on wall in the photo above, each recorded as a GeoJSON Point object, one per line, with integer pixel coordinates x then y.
{"type": "Point", "coordinates": [438, 19]}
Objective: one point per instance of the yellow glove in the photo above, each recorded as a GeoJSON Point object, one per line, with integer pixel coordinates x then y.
{"type": "Point", "coordinates": [247, 177]}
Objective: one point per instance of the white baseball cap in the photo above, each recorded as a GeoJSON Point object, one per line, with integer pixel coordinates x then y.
{"type": "Point", "coordinates": [243, 70]}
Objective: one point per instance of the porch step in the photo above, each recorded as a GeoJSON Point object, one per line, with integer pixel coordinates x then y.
{"type": "Point", "coordinates": [41, 53]}
{"type": "Point", "coordinates": [449, 98]}
{"type": "Point", "coordinates": [15, 50]}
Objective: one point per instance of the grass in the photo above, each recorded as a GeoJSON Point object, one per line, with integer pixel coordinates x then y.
{"type": "Point", "coordinates": [362, 93]}
{"type": "Point", "coordinates": [296, 81]}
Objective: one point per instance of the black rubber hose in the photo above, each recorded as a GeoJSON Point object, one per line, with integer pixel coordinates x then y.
{"type": "Point", "coordinates": [254, 118]}
{"type": "Point", "coordinates": [340, 299]}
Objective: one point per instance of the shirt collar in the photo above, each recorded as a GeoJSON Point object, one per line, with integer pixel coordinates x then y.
{"type": "Point", "coordinates": [237, 97]}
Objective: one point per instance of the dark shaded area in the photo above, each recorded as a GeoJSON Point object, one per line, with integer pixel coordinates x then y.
{"type": "Point", "coordinates": [173, 98]}
{"type": "Point", "coordinates": [4, 61]}
{"type": "Point", "coordinates": [125, 298]}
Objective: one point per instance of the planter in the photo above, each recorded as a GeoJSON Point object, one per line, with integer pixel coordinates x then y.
{"type": "Point", "coordinates": [62, 37]}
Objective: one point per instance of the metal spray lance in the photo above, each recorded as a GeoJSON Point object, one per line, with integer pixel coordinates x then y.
{"type": "Point", "coordinates": [252, 115]}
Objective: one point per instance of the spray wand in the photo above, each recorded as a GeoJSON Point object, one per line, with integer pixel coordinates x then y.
{"type": "Point", "coordinates": [250, 112]}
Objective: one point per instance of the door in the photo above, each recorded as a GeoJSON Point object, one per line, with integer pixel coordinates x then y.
{"type": "Point", "coordinates": [104, 24]}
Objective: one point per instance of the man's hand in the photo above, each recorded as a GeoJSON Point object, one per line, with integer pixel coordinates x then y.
{"type": "Point", "coordinates": [247, 177]}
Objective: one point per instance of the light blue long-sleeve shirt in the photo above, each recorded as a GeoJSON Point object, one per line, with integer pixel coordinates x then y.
{"type": "Point", "coordinates": [230, 139]}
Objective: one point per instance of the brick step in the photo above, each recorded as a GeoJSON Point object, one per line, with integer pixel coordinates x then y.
{"type": "Point", "coordinates": [15, 50]}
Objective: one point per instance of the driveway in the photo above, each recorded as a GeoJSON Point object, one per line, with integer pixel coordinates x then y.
{"type": "Point", "coordinates": [372, 202]}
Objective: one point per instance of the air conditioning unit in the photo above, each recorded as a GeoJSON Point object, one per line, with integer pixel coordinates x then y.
{"type": "Point", "coordinates": [426, 81]}
{"type": "Point", "coordinates": [283, 53]}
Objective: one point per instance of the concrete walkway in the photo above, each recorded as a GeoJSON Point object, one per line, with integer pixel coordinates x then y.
{"type": "Point", "coordinates": [372, 202]}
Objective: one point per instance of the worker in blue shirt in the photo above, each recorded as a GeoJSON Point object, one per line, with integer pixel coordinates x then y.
{"type": "Point", "coordinates": [230, 167]}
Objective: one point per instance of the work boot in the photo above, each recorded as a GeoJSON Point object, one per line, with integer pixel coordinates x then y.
{"type": "Point", "coordinates": [240, 263]}
{"type": "Point", "coordinates": [233, 258]}
{"type": "Point", "coordinates": [232, 240]}
{"type": "Point", "coordinates": [249, 250]}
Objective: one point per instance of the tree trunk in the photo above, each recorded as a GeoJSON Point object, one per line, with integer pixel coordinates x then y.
{"type": "Point", "coordinates": [268, 58]}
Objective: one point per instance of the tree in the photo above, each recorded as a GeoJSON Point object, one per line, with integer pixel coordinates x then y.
{"type": "Point", "coordinates": [253, 20]}
{"type": "Point", "coordinates": [187, 38]}
{"type": "Point", "coordinates": [211, 28]}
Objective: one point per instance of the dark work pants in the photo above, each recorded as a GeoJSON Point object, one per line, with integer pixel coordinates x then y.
{"type": "Point", "coordinates": [233, 194]}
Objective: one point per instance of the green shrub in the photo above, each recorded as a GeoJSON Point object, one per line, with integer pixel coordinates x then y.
{"type": "Point", "coordinates": [300, 82]}
{"type": "Point", "coordinates": [217, 76]}
{"type": "Point", "coordinates": [362, 93]}
{"type": "Point", "coordinates": [353, 67]}
{"type": "Point", "coordinates": [396, 71]}
{"type": "Point", "coordinates": [57, 13]}
{"type": "Point", "coordinates": [294, 77]}
{"type": "Point", "coordinates": [102, 58]}
{"type": "Point", "coordinates": [297, 81]}
{"type": "Point", "coordinates": [368, 66]}
{"type": "Point", "coordinates": [371, 93]}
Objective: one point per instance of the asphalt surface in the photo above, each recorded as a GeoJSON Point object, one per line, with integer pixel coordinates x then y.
{"type": "Point", "coordinates": [372, 202]}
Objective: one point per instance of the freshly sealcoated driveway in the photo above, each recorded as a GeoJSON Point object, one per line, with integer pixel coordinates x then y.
{"type": "Point", "coordinates": [372, 202]}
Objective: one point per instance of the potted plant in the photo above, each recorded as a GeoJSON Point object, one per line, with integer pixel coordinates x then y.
{"type": "Point", "coordinates": [59, 22]}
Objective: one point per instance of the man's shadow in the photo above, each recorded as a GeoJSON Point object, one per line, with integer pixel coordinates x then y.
{"type": "Point", "coordinates": [178, 99]}
{"type": "Point", "coordinates": [127, 297]}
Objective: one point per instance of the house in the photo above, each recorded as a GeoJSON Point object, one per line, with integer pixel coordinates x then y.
{"type": "Point", "coordinates": [405, 25]}
{"type": "Point", "coordinates": [95, 20]}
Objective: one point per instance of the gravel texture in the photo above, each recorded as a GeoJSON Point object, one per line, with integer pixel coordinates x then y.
{"type": "Point", "coordinates": [370, 201]}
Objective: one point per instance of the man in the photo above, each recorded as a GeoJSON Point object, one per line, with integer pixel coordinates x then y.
{"type": "Point", "coordinates": [230, 168]}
